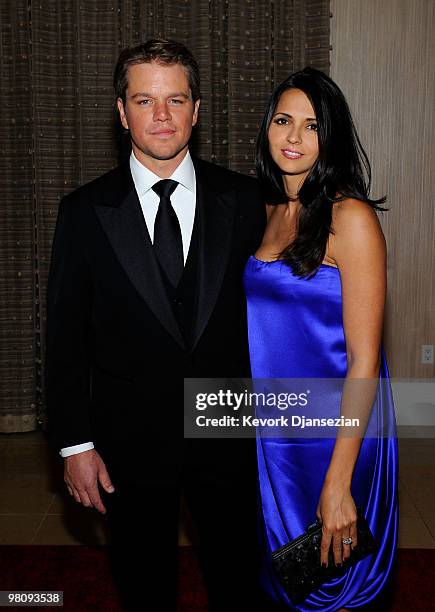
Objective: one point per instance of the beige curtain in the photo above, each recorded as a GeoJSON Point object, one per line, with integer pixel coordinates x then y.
{"type": "Point", "coordinates": [58, 128]}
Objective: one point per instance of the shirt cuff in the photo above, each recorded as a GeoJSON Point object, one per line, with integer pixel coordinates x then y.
{"type": "Point", "coordinates": [77, 448]}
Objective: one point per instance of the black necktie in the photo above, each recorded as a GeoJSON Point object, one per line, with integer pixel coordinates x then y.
{"type": "Point", "coordinates": [168, 245]}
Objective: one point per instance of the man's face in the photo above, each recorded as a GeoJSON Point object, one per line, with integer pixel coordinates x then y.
{"type": "Point", "coordinates": [159, 112]}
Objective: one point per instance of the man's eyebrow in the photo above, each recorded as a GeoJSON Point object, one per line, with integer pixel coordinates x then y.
{"type": "Point", "coordinates": [291, 117]}
{"type": "Point", "coordinates": [177, 94]}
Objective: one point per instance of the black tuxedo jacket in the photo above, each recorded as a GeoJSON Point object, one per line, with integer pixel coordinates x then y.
{"type": "Point", "coordinates": [116, 357]}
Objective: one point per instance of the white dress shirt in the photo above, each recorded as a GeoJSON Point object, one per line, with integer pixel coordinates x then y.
{"type": "Point", "coordinates": [183, 200]}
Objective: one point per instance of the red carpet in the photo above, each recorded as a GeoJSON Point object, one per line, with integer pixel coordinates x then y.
{"type": "Point", "coordinates": [82, 573]}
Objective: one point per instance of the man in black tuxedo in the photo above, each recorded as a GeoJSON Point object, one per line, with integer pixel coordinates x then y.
{"type": "Point", "coordinates": [145, 289]}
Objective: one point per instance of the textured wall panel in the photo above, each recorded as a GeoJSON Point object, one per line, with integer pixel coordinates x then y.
{"type": "Point", "coordinates": [383, 57]}
{"type": "Point", "coordinates": [18, 352]}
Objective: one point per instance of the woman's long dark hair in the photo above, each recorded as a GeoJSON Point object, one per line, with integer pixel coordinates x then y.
{"type": "Point", "coordinates": [342, 169]}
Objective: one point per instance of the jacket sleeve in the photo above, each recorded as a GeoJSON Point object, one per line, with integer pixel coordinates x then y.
{"type": "Point", "coordinates": [67, 374]}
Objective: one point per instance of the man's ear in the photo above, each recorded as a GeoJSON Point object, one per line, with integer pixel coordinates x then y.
{"type": "Point", "coordinates": [195, 112]}
{"type": "Point", "coordinates": [122, 114]}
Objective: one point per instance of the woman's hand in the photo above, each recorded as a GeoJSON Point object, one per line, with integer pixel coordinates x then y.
{"type": "Point", "coordinates": [338, 514]}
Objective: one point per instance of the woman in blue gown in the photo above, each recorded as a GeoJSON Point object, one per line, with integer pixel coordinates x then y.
{"type": "Point", "coordinates": [316, 292]}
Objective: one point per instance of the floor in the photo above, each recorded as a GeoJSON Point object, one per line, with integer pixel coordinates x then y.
{"type": "Point", "coordinates": [34, 508]}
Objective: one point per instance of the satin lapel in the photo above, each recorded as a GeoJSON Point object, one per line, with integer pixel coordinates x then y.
{"type": "Point", "coordinates": [126, 230]}
{"type": "Point", "coordinates": [216, 212]}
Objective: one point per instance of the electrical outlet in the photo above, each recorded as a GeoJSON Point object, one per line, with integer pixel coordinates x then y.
{"type": "Point", "coordinates": [427, 353]}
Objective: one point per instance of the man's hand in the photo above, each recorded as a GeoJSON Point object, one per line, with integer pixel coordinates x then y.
{"type": "Point", "coordinates": [82, 474]}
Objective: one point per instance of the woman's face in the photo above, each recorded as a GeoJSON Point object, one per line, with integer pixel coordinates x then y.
{"type": "Point", "coordinates": [293, 141]}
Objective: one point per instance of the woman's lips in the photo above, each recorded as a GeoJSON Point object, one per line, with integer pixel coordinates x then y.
{"type": "Point", "coordinates": [290, 154]}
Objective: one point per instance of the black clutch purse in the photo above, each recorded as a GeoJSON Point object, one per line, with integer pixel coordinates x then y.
{"type": "Point", "coordinates": [298, 562]}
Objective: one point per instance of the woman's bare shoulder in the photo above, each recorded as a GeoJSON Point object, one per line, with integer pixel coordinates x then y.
{"type": "Point", "coordinates": [353, 211]}
{"type": "Point", "coordinates": [355, 225]}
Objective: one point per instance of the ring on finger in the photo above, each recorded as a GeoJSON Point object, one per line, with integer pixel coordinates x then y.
{"type": "Point", "coordinates": [346, 541]}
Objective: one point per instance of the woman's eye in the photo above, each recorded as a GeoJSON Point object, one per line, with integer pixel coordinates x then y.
{"type": "Point", "coordinates": [281, 121]}
{"type": "Point", "coordinates": [312, 126]}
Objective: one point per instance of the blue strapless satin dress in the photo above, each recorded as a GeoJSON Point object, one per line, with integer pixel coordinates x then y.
{"type": "Point", "coordinates": [296, 331]}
